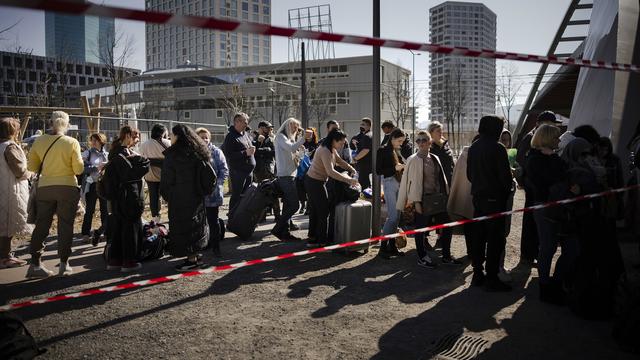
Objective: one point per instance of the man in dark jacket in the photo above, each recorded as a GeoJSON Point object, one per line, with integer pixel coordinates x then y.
{"type": "Point", "coordinates": [266, 161]}
{"type": "Point", "coordinates": [265, 152]}
{"type": "Point", "coordinates": [489, 172]}
{"type": "Point", "coordinates": [529, 238]}
{"type": "Point", "coordinates": [239, 152]}
{"type": "Point", "coordinates": [362, 144]}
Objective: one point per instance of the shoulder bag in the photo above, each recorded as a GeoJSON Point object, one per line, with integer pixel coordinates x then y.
{"type": "Point", "coordinates": [31, 204]}
{"type": "Point", "coordinates": [433, 204]}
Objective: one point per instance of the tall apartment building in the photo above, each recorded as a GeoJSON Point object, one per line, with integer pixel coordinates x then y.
{"type": "Point", "coordinates": [460, 80]}
{"type": "Point", "coordinates": [169, 46]}
{"type": "Point", "coordinates": [77, 38]}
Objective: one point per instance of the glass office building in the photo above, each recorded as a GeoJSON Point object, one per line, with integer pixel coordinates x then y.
{"type": "Point", "coordinates": [77, 38]}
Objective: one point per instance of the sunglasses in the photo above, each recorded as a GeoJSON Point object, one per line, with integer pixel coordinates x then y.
{"type": "Point", "coordinates": [420, 140]}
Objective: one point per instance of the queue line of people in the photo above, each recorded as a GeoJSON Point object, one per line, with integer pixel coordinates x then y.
{"type": "Point", "coordinates": [428, 181]}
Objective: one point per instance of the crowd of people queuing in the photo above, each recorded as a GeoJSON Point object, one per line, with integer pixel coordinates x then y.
{"type": "Point", "coordinates": [423, 181]}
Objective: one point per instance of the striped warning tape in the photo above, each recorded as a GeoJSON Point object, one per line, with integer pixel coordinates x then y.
{"type": "Point", "coordinates": [212, 23]}
{"type": "Point", "coordinates": [164, 279]}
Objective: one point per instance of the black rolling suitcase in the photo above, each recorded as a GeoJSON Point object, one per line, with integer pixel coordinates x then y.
{"type": "Point", "coordinates": [244, 218]}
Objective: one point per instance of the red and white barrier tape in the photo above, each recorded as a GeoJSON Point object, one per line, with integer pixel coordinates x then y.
{"type": "Point", "coordinates": [213, 23]}
{"type": "Point", "coordinates": [164, 279]}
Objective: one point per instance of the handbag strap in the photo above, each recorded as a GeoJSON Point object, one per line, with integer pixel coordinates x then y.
{"type": "Point", "coordinates": [45, 155]}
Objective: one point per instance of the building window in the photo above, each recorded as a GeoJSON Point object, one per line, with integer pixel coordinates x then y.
{"type": "Point", "coordinates": [202, 91]}
{"type": "Point", "coordinates": [219, 114]}
{"type": "Point", "coordinates": [187, 114]}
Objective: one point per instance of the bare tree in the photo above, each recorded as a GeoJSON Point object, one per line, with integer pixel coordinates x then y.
{"type": "Point", "coordinates": [233, 100]}
{"type": "Point", "coordinates": [318, 106]}
{"type": "Point", "coordinates": [115, 52]}
{"type": "Point", "coordinates": [282, 103]}
{"type": "Point", "coordinates": [396, 94]}
{"type": "Point", "coordinates": [453, 101]}
{"type": "Point", "coordinates": [461, 100]}
{"type": "Point", "coordinates": [5, 30]}
{"type": "Point", "coordinates": [507, 90]}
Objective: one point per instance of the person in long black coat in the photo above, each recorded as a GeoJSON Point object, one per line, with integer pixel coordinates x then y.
{"type": "Point", "coordinates": [188, 227]}
{"type": "Point", "coordinates": [125, 224]}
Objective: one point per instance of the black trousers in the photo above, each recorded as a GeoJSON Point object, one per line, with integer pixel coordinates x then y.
{"type": "Point", "coordinates": [363, 178]}
{"type": "Point", "coordinates": [91, 198]}
{"type": "Point", "coordinates": [318, 208]}
{"type": "Point", "coordinates": [488, 240]}
{"type": "Point", "coordinates": [154, 197]}
{"type": "Point", "coordinates": [125, 240]}
{"type": "Point", "coordinates": [214, 227]}
{"type": "Point", "coordinates": [239, 183]}
{"type": "Point", "coordinates": [422, 238]}
{"type": "Point", "coordinates": [529, 242]}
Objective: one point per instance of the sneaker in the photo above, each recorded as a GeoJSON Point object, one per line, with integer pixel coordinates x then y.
{"type": "Point", "coordinates": [293, 227]}
{"type": "Point", "coordinates": [65, 269]}
{"type": "Point", "coordinates": [187, 266]}
{"type": "Point", "coordinates": [286, 237]}
{"type": "Point", "coordinates": [86, 239]}
{"type": "Point", "coordinates": [95, 239]}
{"type": "Point", "coordinates": [130, 266]}
{"type": "Point", "coordinates": [495, 285]}
{"type": "Point", "coordinates": [448, 260]}
{"type": "Point", "coordinates": [11, 262]}
{"type": "Point", "coordinates": [426, 262]}
{"type": "Point", "coordinates": [478, 279]}
{"type": "Point", "coordinates": [38, 272]}
{"type": "Point", "coordinates": [314, 243]}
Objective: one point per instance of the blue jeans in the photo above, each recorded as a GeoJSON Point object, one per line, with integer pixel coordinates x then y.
{"type": "Point", "coordinates": [390, 186]}
{"type": "Point", "coordinates": [549, 240]}
{"type": "Point", "coordinates": [290, 204]}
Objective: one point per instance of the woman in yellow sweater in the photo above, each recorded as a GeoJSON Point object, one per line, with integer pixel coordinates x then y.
{"type": "Point", "coordinates": [58, 192]}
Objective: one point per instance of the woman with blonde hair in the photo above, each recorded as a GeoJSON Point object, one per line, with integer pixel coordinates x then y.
{"type": "Point", "coordinates": [545, 171]}
{"type": "Point", "coordinates": [56, 157]}
{"type": "Point", "coordinates": [288, 144]}
{"type": "Point", "coordinates": [14, 191]}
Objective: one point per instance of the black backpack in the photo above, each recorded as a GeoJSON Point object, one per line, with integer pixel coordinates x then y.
{"type": "Point", "coordinates": [153, 242]}
{"type": "Point", "coordinates": [15, 340]}
{"type": "Point", "coordinates": [205, 178]}
{"type": "Point", "coordinates": [105, 184]}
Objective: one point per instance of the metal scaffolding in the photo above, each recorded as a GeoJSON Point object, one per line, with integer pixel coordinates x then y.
{"type": "Point", "coordinates": [313, 18]}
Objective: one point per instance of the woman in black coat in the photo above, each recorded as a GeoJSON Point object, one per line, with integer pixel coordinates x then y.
{"type": "Point", "coordinates": [188, 226]}
{"type": "Point", "coordinates": [127, 206]}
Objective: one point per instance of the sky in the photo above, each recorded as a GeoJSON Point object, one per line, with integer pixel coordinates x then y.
{"type": "Point", "coordinates": [523, 26]}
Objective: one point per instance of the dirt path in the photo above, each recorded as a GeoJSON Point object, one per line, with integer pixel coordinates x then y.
{"type": "Point", "coordinates": [325, 306]}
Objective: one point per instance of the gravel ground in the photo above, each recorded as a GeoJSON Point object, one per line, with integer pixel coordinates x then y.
{"type": "Point", "coordinates": [329, 306]}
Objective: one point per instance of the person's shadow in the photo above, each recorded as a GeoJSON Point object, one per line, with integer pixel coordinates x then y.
{"type": "Point", "coordinates": [471, 309]}
{"type": "Point", "coordinates": [377, 279]}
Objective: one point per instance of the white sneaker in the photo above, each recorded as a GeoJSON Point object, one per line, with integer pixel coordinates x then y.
{"type": "Point", "coordinates": [65, 269]}
{"type": "Point", "coordinates": [505, 275]}
{"type": "Point", "coordinates": [38, 272]}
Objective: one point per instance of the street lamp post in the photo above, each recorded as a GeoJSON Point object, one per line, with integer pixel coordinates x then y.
{"type": "Point", "coordinates": [413, 95]}
{"type": "Point", "coordinates": [273, 94]}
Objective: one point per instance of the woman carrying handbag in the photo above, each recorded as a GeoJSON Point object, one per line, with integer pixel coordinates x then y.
{"type": "Point", "coordinates": [424, 185]}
